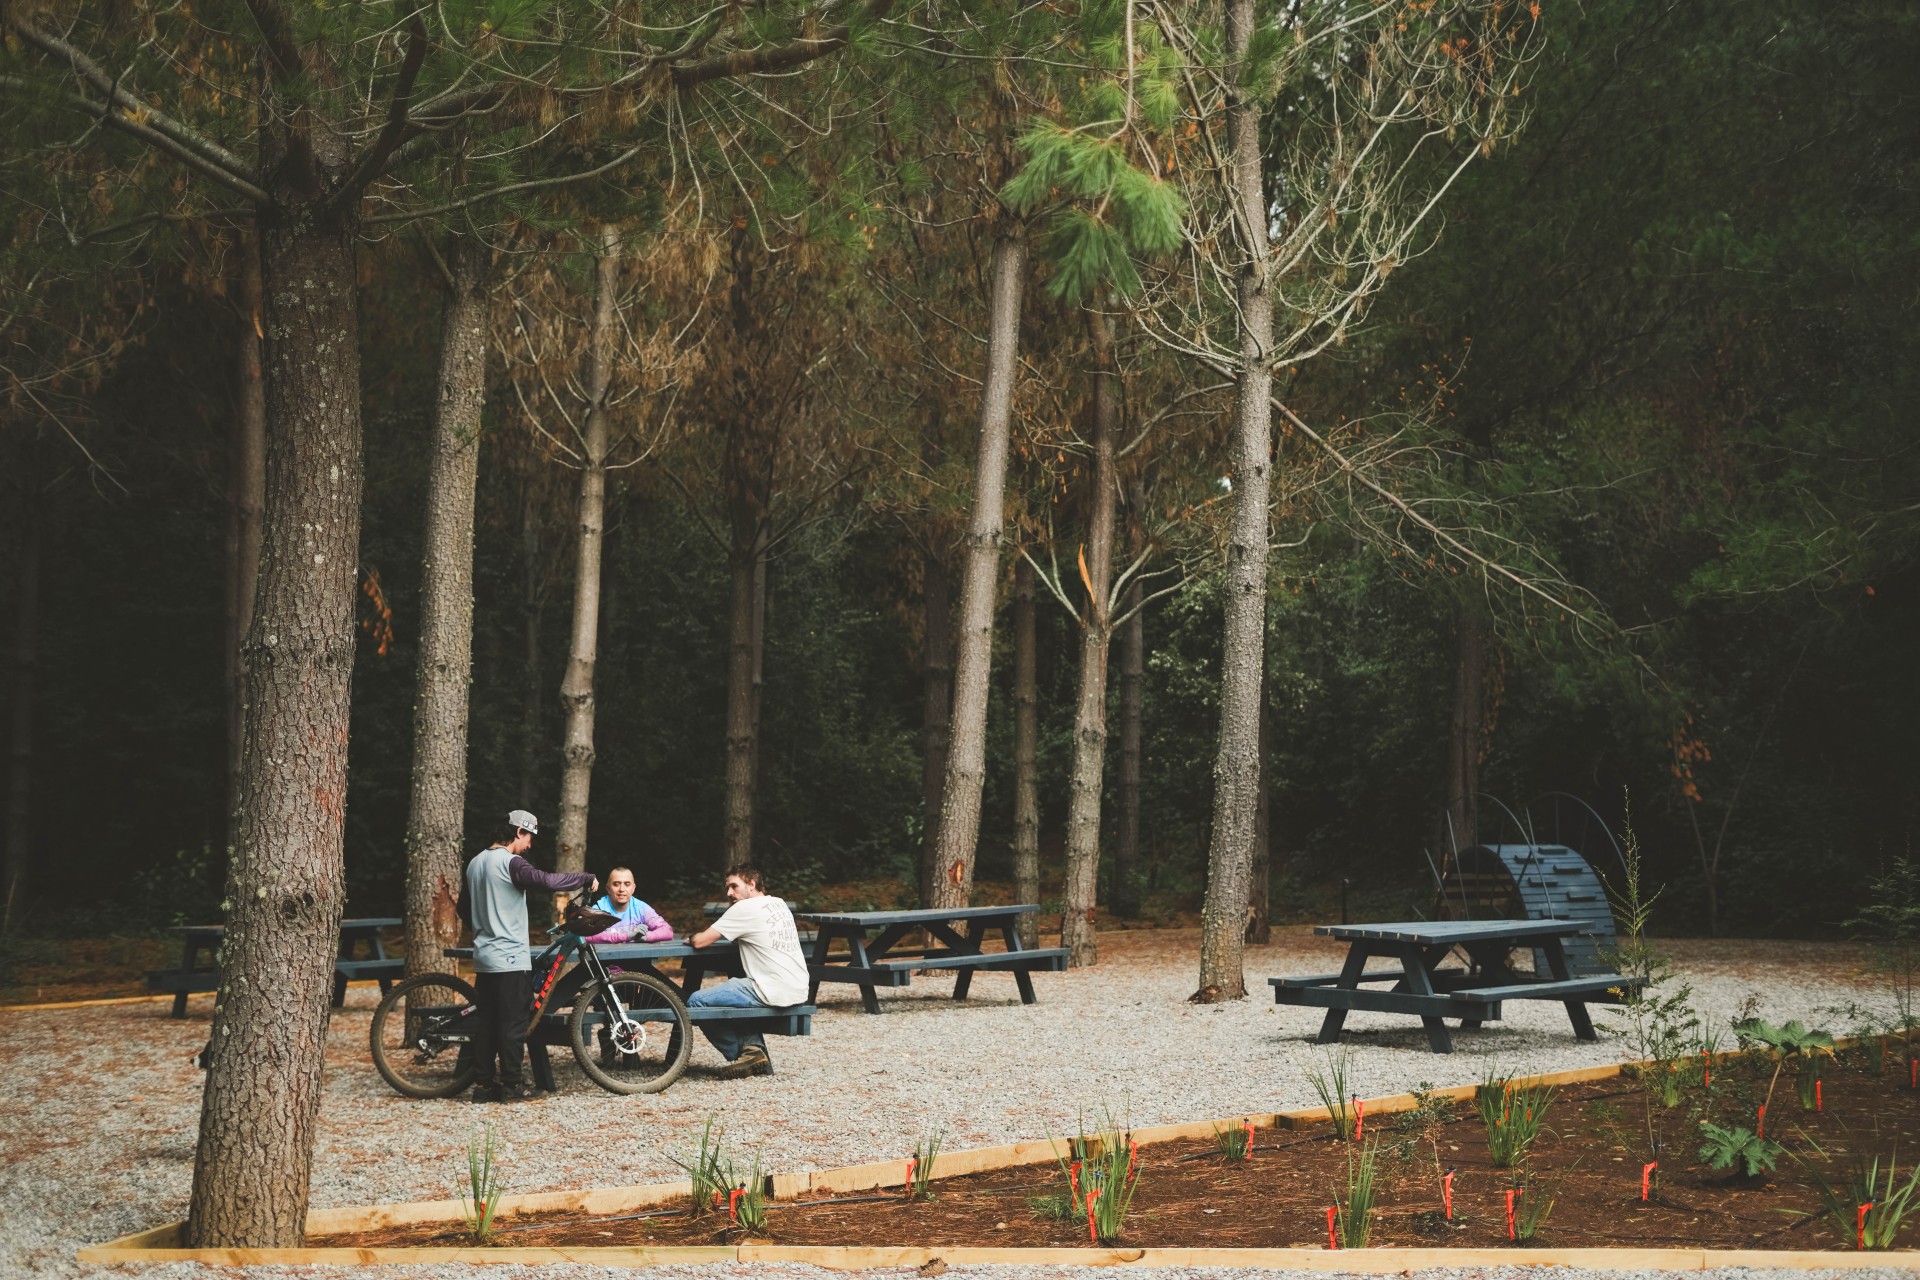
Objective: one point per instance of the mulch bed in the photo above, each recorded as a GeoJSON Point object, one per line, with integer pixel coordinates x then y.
{"type": "Point", "coordinates": [1589, 1161]}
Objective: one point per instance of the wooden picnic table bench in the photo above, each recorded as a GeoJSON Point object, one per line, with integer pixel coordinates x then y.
{"type": "Point", "coordinates": [1472, 993]}
{"type": "Point", "coordinates": [960, 933]}
{"type": "Point", "coordinates": [696, 964]}
{"type": "Point", "coordinates": [193, 975]}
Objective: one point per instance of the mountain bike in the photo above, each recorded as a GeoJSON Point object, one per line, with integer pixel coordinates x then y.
{"type": "Point", "coordinates": [630, 1032]}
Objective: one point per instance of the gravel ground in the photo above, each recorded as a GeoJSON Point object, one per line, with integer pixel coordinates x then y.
{"type": "Point", "coordinates": [82, 1163]}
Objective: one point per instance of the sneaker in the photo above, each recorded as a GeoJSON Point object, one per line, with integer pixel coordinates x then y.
{"type": "Point", "coordinates": [518, 1093]}
{"type": "Point", "coordinates": [753, 1061]}
{"type": "Point", "coordinates": [486, 1093]}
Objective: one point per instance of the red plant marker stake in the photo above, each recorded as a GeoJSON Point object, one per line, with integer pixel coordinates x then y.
{"type": "Point", "coordinates": [1446, 1194]}
{"type": "Point", "coordinates": [1133, 1154]}
{"type": "Point", "coordinates": [1646, 1179]}
{"type": "Point", "coordinates": [1706, 1069]}
{"type": "Point", "coordinates": [913, 1162]}
{"type": "Point", "coordinates": [1510, 1195]}
{"type": "Point", "coordinates": [1248, 1126]}
{"type": "Point", "coordinates": [1913, 1073]}
{"type": "Point", "coordinates": [1860, 1225]}
{"type": "Point", "coordinates": [1333, 1239]}
{"type": "Point", "coordinates": [1760, 1122]}
{"type": "Point", "coordinates": [1091, 1233]}
{"type": "Point", "coordinates": [1074, 1174]}
{"type": "Point", "coordinates": [733, 1203]}
{"type": "Point", "coordinates": [1359, 1117]}
{"type": "Point", "coordinates": [1819, 1103]}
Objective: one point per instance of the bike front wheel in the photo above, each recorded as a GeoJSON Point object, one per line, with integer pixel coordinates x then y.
{"type": "Point", "coordinates": [422, 1036]}
{"type": "Point", "coordinates": [631, 1033]}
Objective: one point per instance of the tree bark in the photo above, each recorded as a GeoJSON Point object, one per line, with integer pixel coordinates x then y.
{"type": "Point", "coordinates": [285, 880]}
{"type": "Point", "coordinates": [1236, 770]}
{"type": "Point", "coordinates": [576, 687]}
{"type": "Point", "coordinates": [25, 607]}
{"type": "Point", "coordinates": [1087, 782]}
{"type": "Point", "coordinates": [973, 642]}
{"type": "Point", "coordinates": [1026, 739]}
{"type": "Point", "coordinates": [1133, 670]}
{"type": "Point", "coordinates": [936, 710]}
{"type": "Point", "coordinates": [1260, 883]}
{"type": "Point", "coordinates": [746, 564]}
{"type": "Point", "coordinates": [1467, 737]}
{"type": "Point", "coordinates": [246, 493]}
{"type": "Point", "coordinates": [533, 689]}
{"type": "Point", "coordinates": [436, 808]}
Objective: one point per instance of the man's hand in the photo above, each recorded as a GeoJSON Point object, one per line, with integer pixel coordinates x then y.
{"type": "Point", "coordinates": [705, 938]}
{"type": "Point", "coordinates": [595, 886]}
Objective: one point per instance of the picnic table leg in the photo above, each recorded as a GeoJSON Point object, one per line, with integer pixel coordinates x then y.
{"type": "Point", "coordinates": [541, 1066]}
{"type": "Point", "coordinates": [339, 989]}
{"type": "Point", "coordinates": [1022, 978]}
{"type": "Point", "coordinates": [1417, 965]}
{"type": "Point", "coordinates": [822, 944]}
{"type": "Point", "coordinates": [1556, 955]}
{"type": "Point", "coordinates": [189, 952]}
{"type": "Point", "coordinates": [857, 942]}
{"type": "Point", "coordinates": [1350, 971]}
{"type": "Point", "coordinates": [969, 941]}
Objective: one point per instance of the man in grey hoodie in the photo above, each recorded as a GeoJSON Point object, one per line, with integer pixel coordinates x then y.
{"type": "Point", "coordinates": [493, 900]}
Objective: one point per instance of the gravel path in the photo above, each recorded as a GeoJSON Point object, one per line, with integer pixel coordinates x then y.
{"type": "Point", "coordinates": [81, 1164]}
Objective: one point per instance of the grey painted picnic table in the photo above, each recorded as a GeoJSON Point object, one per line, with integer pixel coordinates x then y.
{"type": "Point", "coordinates": [197, 940]}
{"type": "Point", "coordinates": [1425, 989]}
{"type": "Point", "coordinates": [956, 938]}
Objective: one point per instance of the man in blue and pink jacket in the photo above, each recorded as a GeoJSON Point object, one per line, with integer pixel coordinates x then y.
{"type": "Point", "coordinates": [638, 922]}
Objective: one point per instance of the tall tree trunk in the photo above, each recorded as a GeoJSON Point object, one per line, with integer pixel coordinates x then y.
{"type": "Point", "coordinates": [1467, 736]}
{"type": "Point", "coordinates": [936, 708]}
{"type": "Point", "coordinates": [745, 563]}
{"type": "Point", "coordinates": [25, 607]}
{"type": "Point", "coordinates": [1236, 770]}
{"type": "Point", "coordinates": [1026, 739]}
{"type": "Point", "coordinates": [1133, 670]}
{"type": "Point", "coordinates": [973, 641]}
{"type": "Point", "coordinates": [246, 493]}
{"type": "Point", "coordinates": [1087, 783]}
{"type": "Point", "coordinates": [436, 807]}
{"type": "Point", "coordinates": [576, 687]}
{"type": "Point", "coordinates": [533, 688]}
{"type": "Point", "coordinates": [1260, 886]}
{"type": "Point", "coordinates": [285, 880]}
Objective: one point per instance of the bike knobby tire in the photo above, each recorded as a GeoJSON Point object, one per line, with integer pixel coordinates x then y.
{"type": "Point", "coordinates": [422, 1036]}
{"type": "Point", "coordinates": [631, 1034]}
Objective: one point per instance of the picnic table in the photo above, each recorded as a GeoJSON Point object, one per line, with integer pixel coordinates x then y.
{"type": "Point", "coordinates": [962, 930]}
{"type": "Point", "coordinates": [1471, 993]}
{"type": "Point", "coordinates": [197, 940]}
{"type": "Point", "coordinates": [696, 964]}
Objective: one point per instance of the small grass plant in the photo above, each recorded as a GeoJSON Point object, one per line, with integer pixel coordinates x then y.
{"type": "Point", "coordinates": [1532, 1206]}
{"type": "Point", "coordinates": [1354, 1215]}
{"type": "Point", "coordinates": [1331, 1086]}
{"type": "Point", "coordinates": [709, 1171]}
{"type": "Point", "coordinates": [920, 1167]}
{"type": "Point", "coordinates": [1871, 1202]}
{"type": "Point", "coordinates": [1102, 1171]}
{"type": "Point", "coordinates": [1514, 1115]}
{"type": "Point", "coordinates": [484, 1186]}
{"type": "Point", "coordinates": [750, 1208]}
{"type": "Point", "coordinates": [1234, 1142]}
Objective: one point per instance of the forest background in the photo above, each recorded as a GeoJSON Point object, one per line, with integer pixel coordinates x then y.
{"type": "Point", "coordinates": [1662, 342]}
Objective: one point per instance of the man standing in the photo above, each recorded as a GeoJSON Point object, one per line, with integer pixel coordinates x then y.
{"type": "Point", "coordinates": [493, 899]}
{"type": "Point", "coordinates": [761, 925]}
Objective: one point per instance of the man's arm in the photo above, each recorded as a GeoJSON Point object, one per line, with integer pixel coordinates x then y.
{"type": "Point", "coordinates": [707, 937]}
{"type": "Point", "coordinates": [527, 876]}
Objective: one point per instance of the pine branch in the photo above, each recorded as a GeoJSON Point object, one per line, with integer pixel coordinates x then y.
{"type": "Point", "coordinates": [158, 124]}
{"type": "Point", "coordinates": [748, 62]}
{"type": "Point", "coordinates": [373, 161]}
{"type": "Point", "coordinates": [282, 49]}
{"type": "Point", "coordinates": [161, 142]}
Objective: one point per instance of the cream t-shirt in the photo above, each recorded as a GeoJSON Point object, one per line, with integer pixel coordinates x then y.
{"type": "Point", "coordinates": [769, 945]}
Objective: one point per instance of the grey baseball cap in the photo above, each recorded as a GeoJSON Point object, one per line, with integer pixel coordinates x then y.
{"type": "Point", "coordinates": [525, 821]}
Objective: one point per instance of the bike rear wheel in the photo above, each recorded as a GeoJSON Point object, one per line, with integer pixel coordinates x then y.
{"type": "Point", "coordinates": [422, 1036]}
{"type": "Point", "coordinates": [631, 1033]}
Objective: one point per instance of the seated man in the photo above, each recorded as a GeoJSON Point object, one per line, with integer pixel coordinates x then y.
{"type": "Point", "coordinates": [637, 922]}
{"type": "Point", "coordinates": [761, 925]}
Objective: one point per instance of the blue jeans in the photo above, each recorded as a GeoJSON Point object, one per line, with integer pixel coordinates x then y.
{"type": "Point", "coordinates": [734, 993]}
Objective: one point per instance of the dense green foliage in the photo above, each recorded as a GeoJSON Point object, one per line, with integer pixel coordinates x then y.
{"type": "Point", "coordinates": [1676, 322]}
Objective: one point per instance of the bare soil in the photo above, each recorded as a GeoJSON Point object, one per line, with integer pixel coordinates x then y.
{"type": "Point", "coordinates": [1588, 1162]}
